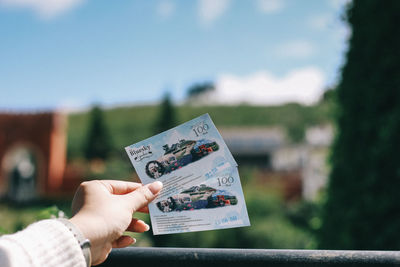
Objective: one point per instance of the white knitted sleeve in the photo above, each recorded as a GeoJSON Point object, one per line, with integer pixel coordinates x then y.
{"type": "Point", "coordinates": [48, 243]}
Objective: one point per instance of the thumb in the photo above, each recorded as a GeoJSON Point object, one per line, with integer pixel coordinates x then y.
{"type": "Point", "coordinates": [142, 196]}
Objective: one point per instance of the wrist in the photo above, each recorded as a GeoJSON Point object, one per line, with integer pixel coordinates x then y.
{"type": "Point", "coordinates": [83, 242]}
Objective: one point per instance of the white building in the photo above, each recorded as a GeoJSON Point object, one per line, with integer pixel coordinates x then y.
{"type": "Point", "coordinates": [270, 149]}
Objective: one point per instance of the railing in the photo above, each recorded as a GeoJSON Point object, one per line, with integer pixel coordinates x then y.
{"type": "Point", "coordinates": [188, 257]}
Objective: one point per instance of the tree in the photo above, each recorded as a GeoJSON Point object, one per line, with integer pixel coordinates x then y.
{"type": "Point", "coordinates": [167, 117]}
{"type": "Point", "coordinates": [199, 89]}
{"type": "Point", "coordinates": [166, 120]}
{"type": "Point", "coordinates": [362, 209]}
{"type": "Point", "coordinates": [98, 141]}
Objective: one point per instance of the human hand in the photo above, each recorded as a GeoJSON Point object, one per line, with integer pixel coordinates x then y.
{"type": "Point", "coordinates": [103, 209]}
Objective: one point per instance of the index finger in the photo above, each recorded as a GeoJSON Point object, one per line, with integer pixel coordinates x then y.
{"type": "Point", "coordinates": [120, 187]}
{"type": "Point", "coordinates": [141, 197]}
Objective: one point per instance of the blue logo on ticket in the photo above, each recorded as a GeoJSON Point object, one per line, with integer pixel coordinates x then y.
{"type": "Point", "coordinates": [202, 189]}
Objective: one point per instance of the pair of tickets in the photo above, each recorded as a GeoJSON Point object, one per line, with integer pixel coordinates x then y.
{"type": "Point", "coordinates": [202, 189]}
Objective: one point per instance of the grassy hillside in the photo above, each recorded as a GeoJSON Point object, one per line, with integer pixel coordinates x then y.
{"type": "Point", "coordinates": [132, 124]}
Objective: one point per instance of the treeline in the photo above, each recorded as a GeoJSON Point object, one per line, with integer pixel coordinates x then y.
{"type": "Point", "coordinates": [127, 125]}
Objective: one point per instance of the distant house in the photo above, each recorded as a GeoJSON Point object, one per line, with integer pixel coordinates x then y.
{"type": "Point", "coordinates": [269, 149]}
{"type": "Point", "coordinates": [316, 168]}
{"type": "Point", "coordinates": [254, 146]}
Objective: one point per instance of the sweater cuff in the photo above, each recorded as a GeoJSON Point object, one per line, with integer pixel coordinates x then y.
{"type": "Point", "coordinates": [48, 243]}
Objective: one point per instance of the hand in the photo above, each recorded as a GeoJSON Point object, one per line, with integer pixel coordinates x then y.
{"type": "Point", "coordinates": [103, 209]}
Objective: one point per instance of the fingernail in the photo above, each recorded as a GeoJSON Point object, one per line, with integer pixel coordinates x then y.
{"type": "Point", "coordinates": [147, 227]}
{"type": "Point", "coordinates": [155, 187]}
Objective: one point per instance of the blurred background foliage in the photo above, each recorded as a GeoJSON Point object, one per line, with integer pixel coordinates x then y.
{"type": "Point", "coordinates": [362, 210]}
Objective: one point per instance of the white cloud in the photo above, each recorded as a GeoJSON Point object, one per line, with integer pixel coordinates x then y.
{"type": "Point", "coordinates": [211, 10]}
{"type": "Point", "coordinates": [165, 8]}
{"type": "Point", "coordinates": [320, 22]}
{"type": "Point", "coordinates": [338, 4]}
{"type": "Point", "coordinates": [298, 49]}
{"type": "Point", "coordinates": [270, 6]}
{"type": "Point", "coordinates": [343, 33]}
{"type": "Point", "coordinates": [262, 88]}
{"type": "Point", "coordinates": [44, 8]}
{"type": "Point", "coordinates": [331, 24]}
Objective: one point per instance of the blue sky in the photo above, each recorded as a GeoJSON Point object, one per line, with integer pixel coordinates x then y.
{"type": "Point", "coordinates": [72, 53]}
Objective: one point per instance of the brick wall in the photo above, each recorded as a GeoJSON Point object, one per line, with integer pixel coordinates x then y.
{"type": "Point", "coordinates": [44, 135]}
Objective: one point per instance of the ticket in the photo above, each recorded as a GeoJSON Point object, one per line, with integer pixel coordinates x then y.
{"type": "Point", "coordinates": [197, 204]}
{"type": "Point", "coordinates": [202, 189]}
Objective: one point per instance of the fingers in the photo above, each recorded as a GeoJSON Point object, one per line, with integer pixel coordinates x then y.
{"type": "Point", "coordinates": [142, 196]}
{"type": "Point", "coordinates": [119, 187]}
{"type": "Point", "coordinates": [123, 241]}
{"type": "Point", "coordinates": [138, 226]}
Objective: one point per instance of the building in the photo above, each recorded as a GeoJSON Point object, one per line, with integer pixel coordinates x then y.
{"type": "Point", "coordinates": [33, 156]}
{"type": "Point", "coordinates": [254, 146]}
{"type": "Point", "coordinates": [269, 150]}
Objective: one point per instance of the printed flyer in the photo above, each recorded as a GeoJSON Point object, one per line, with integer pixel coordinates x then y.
{"type": "Point", "coordinates": [202, 189]}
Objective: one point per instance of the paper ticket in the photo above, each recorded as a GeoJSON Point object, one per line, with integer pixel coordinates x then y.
{"type": "Point", "coordinates": [202, 188]}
